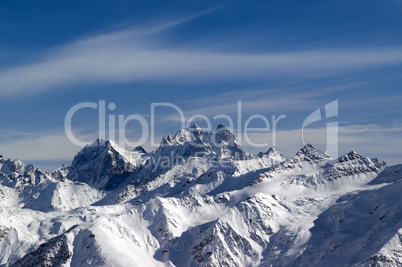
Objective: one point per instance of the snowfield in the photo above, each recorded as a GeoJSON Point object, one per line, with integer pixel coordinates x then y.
{"type": "Point", "coordinates": [216, 206]}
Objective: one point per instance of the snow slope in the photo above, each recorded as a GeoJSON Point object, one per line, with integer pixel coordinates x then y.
{"type": "Point", "coordinates": [212, 205]}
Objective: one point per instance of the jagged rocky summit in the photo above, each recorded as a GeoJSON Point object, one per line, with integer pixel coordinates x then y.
{"type": "Point", "coordinates": [211, 204]}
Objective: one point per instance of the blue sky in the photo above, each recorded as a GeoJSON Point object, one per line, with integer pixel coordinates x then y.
{"type": "Point", "coordinates": [277, 57]}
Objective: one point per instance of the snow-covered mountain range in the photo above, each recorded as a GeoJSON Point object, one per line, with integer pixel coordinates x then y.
{"type": "Point", "coordinates": [200, 200]}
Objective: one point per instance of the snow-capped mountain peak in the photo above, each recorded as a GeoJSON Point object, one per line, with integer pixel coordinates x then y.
{"type": "Point", "coordinates": [101, 164]}
{"type": "Point", "coordinates": [100, 143]}
{"type": "Point", "coordinates": [213, 207]}
{"type": "Point", "coordinates": [272, 153]}
{"type": "Point", "coordinates": [16, 173]}
{"type": "Point", "coordinates": [310, 153]}
{"type": "Point", "coordinates": [193, 141]}
{"type": "Point", "coordinates": [350, 156]}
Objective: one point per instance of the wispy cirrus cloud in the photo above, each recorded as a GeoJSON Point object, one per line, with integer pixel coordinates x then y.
{"type": "Point", "coordinates": [40, 146]}
{"type": "Point", "coordinates": [266, 101]}
{"type": "Point", "coordinates": [138, 54]}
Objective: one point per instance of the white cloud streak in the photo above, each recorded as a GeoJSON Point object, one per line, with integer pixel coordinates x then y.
{"type": "Point", "coordinates": [41, 146]}
{"type": "Point", "coordinates": [136, 54]}
{"type": "Point", "coordinates": [273, 101]}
